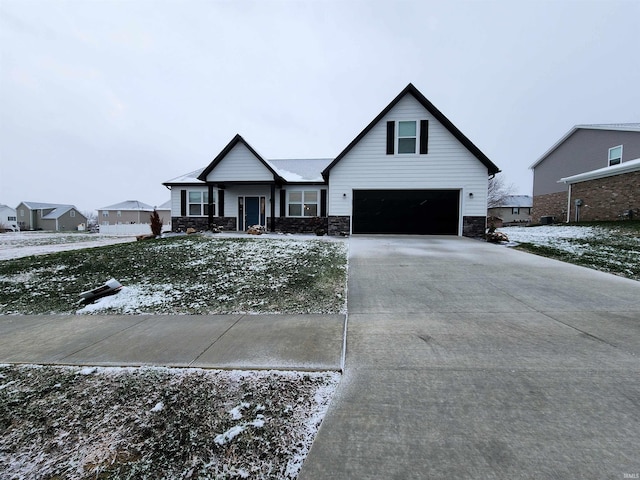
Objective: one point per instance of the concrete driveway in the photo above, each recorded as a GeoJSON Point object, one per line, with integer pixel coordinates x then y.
{"type": "Point", "coordinates": [471, 360]}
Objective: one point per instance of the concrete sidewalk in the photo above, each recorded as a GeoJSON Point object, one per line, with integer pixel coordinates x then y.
{"type": "Point", "coordinates": [291, 342]}
{"type": "Point", "coordinates": [467, 360]}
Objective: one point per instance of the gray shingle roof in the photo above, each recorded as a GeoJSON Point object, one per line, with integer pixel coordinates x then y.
{"type": "Point", "coordinates": [301, 170]}
{"type": "Point", "coordinates": [188, 178]}
{"type": "Point", "coordinates": [57, 212]}
{"type": "Point", "coordinates": [131, 205]}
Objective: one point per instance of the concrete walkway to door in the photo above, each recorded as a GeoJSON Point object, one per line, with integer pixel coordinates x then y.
{"type": "Point", "coordinates": [470, 360]}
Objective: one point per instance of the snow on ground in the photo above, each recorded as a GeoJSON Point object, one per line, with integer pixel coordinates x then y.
{"type": "Point", "coordinates": [24, 244]}
{"type": "Point", "coordinates": [564, 237]}
{"type": "Point", "coordinates": [156, 422]}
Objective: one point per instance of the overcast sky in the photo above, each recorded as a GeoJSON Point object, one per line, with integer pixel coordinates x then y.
{"type": "Point", "coordinates": [102, 101]}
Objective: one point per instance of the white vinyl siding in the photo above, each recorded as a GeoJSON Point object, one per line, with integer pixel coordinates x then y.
{"type": "Point", "coordinates": [240, 165]}
{"type": "Point", "coordinates": [448, 166]}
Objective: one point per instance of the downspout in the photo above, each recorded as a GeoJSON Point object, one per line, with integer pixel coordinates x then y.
{"type": "Point", "coordinates": [569, 205]}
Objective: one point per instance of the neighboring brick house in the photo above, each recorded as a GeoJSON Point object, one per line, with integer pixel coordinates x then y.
{"type": "Point", "coordinates": [49, 216]}
{"type": "Point", "coordinates": [410, 171]}
{"type": "Point", "coordinates": [609, 193]}
{"type": "Point", "coordinates": [585, 148]}
{"type": "Point", "coordinates": [513, 209]}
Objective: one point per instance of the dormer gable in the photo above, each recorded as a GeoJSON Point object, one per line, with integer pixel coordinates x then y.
{"type": "Point", "coordinates": [403, 135]}
{"type": "Point", "coordinates": [239, 162]}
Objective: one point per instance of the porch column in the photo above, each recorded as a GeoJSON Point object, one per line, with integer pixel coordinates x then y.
{"type": "Point", "coordinates": [273, 207]}
{"type": "Point", "coordinates": [210, 202]}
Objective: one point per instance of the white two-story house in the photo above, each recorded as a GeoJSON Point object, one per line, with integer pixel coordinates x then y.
{"type": "Point", "coordinates": [410, 171]}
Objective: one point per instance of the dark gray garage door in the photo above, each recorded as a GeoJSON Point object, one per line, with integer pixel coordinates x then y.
{"type": "Point", "coordinates": [422, 212]}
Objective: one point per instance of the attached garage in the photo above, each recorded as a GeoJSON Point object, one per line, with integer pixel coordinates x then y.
{"type": "Point", "coordinates": [418, 212]}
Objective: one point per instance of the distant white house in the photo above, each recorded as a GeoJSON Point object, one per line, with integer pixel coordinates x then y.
{"type": "Point", "coordinates": [8, 219]}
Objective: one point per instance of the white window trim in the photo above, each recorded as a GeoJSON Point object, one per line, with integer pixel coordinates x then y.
{"type": "Point", "coordinates": [398, 137]}
{"type": "Point", "coordinates": [105, 214]}
{"type": "Point", "coordinates": [609, 156]}
{"type": "Point", "coordinates": [72, 213]}
{"type": "Point", "coordinates": [202, 203]}
{"type": "Point", "coordinates": [302, 203]}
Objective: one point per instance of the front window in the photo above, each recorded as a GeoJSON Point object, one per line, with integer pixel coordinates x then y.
{"type": "Point", "coordinates": [119, 213]}
{"type": "Point", "coordinates": [105, 214]}
{"type": "Point", "coordinates": [303, 203]}
{"type": "Point", "coordinates": [12, 219]}
{"type": "Point", "coordinates": [407, 137]}
{"type": "Point", "coordinates": [515, 211]}
{"type": "Point", "coordinates": [199, 204]}
{"type": "Point", "coordinates": [615, 155]}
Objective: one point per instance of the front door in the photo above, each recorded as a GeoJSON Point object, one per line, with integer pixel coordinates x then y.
{"type": "Point", "coordinates": [251, 211]}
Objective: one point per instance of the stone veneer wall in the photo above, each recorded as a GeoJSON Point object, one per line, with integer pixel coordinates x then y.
{"type": "Point", "coordinates": [474, 227]}
{"type": "Point", "coordinates": [180, 224]}
{"type": "Point", "coordinates": [339, 226]}
{"type": "Point", "coordinates": [551, 204]}
{"type": "Point", "coordinates": [607, 198]}
{"type": "Point", "coordinates": [298, 225]}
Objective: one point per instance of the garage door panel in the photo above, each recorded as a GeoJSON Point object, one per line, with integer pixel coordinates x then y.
{"type": "Point", "coordinates": [425, 212]}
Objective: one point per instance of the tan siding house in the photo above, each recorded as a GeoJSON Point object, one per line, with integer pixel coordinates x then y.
{"type": "Point", "coordinates": [49, 216]}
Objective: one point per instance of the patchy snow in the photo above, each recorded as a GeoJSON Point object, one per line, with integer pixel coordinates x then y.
{"type": "Point", "coordinates": [24, 244]}
{"type": "Point", "coordinates": [612, 249]}
{"type": "Point", "coordinates": [100, 425]}
{"type": "Point", "coordinates": [551, 234]}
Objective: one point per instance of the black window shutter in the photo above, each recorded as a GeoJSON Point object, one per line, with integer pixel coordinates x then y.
{"type": "Point", "coordinates": [283, 203]}
{"type": "Point", "coordinates": [323, 203]}
{"type": "Point", "coordinates": [391, 130]}
{"type": "Point", "coordinates": [221, 203]}
{"type": "Point", "coordinates": [183, 203]}
{"type": "Point", "coordinates": [424, 136]}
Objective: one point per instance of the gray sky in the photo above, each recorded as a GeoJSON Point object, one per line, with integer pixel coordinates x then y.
{"type": "Point", "coordinates": [102, 101]}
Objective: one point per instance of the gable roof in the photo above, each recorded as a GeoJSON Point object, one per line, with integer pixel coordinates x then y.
{"type": "Point", "coordinates": [624, 167]}
{"type": "Point", "coordinates": [619, 127]}
{"type": "Point", "coordinates": [301, 170]}
{"type": "Point", "coordinates": [411, 90]}
{"type": "Point", "coordinates": [235, 141]}
{"type": "Point", "coordinates": [511, 201]}
{"type": "Point", "coordinates": [129, 205]}
{"type": "Point", "coordinates": [190, 178]}
{"type": "Point", "coordinates": [57, 209]}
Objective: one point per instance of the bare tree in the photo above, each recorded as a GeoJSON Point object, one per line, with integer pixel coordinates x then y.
{"type": "Point", "coordinates": [498, 191]}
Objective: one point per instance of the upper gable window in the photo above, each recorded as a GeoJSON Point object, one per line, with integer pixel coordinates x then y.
{"type": "Point", "coordinates": [72, 213]}
{"type": "Point", "coordinates": [615, 155]}
{"type": "Point", "coordinates": [407, 135]}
